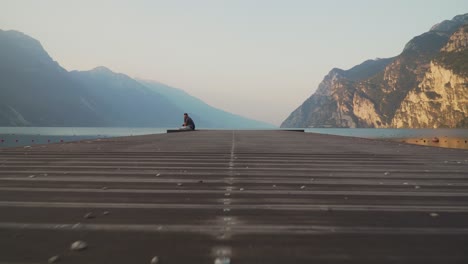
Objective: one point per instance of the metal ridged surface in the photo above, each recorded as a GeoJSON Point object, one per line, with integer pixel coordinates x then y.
{"type": "Point", "coordinates": [250, 196]}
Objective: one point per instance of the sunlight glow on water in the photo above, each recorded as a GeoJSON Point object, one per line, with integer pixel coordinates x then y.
{"type": "Point", "coordinates": [389, 133]}
{"type": "Point", "coordinates": [444, 137]}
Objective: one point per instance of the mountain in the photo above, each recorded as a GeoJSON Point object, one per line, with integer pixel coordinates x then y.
{"type": "Point", "coordinates": [423, 87]}
{"type": "Point", "coordinates": [37, 91]}
{"type": "Point", "coordinates": [124, 102]}
{"type": "Point", "coordinates": [204, 114]}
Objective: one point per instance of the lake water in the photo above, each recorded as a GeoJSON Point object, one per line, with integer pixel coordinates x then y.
{"type": "Point", "coordinates": [442, 137]}
{"type": "Point", "coordinates": [26, 136]}
{"type": "Point", "coordinates": [23, 136]}
{"type": "Point", "coordinates": [385, 133]}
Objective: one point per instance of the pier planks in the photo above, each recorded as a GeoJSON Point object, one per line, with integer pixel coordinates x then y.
{"type": "Point", "coordinates": [250, 196]}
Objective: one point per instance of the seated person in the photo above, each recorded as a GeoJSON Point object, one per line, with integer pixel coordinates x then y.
{"type": "Point", "coordinates": [188, 123]}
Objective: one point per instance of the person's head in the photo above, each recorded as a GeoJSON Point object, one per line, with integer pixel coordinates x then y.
{"type": "Point", "coordinates": [185, 115]}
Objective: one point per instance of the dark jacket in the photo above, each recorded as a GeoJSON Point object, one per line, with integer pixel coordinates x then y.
{"type": "Point", "coordinates": [189, 122]}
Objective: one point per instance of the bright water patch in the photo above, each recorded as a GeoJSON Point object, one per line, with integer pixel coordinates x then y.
{"type": "Point", "coordinates": [390, 133]}
{"type": "Point", "coordinates": [441, 137]}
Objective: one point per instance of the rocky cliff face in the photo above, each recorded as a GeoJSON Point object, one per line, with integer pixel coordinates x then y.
{"type": "Point", "coordinates": [441, 98]}
{"type": "Point", "coordinates": [425, 86]}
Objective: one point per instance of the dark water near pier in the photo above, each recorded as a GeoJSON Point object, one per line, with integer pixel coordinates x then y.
{"type": "Point", "coordinates": [26, 136]}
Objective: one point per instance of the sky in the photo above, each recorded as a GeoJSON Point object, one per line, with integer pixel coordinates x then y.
{"type": "Point", "coordinates": [256, 58]}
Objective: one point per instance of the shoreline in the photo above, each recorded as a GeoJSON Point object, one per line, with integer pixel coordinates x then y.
{"type": "Point", "coordinates": [444, 142]}
{"type": "Point", "coordinates": [441, 142]}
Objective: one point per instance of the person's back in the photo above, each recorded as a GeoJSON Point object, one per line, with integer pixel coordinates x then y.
{"type": "Point", "coordinates": [188, 122]}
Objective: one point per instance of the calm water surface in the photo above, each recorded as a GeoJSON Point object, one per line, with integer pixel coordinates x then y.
{"type": "Point", "coordinates": [24, 136]}
{"type": "Point", "coordinates": [390, 132]}
{"type": "Point", "coordinates": [443, 137]}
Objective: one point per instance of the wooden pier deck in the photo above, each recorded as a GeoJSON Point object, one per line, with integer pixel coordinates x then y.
{"type": "Point", "coordinates": [234, 197]}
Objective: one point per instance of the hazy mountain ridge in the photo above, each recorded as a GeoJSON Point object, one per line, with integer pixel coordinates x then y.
{"type": "Point", "coordinates": [124, 101]}
{"type": "Point", "coordinates": [355, 98]}
{"type": "Point", "coordinates": [37, 91]}
{"type": "Point", "coordinates": [204, 114]}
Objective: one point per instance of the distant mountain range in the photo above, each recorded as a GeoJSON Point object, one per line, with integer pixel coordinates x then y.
{"type": "Point", "coordinates": [36, 91]}
{"type": "Point", "coordinates": [426, 86]}
{"type": "Point", "coordinates": [206, 115]}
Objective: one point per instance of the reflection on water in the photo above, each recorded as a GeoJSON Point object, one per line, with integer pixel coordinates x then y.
{"type": "Point", "coordinates": [444, 142]}
{"type": "Point", "coordinates": [447, 138]}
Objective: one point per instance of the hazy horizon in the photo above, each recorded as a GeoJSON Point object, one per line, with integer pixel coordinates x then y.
{"type": "Point", "coordinates": [258, 59]}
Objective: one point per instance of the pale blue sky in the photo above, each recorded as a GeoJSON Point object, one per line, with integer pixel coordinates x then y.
{"type": "Point", "coordinates": [257, 58]}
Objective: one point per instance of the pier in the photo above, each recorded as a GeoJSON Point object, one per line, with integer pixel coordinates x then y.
{"type": "Point", "coordinates": [233, 197]}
